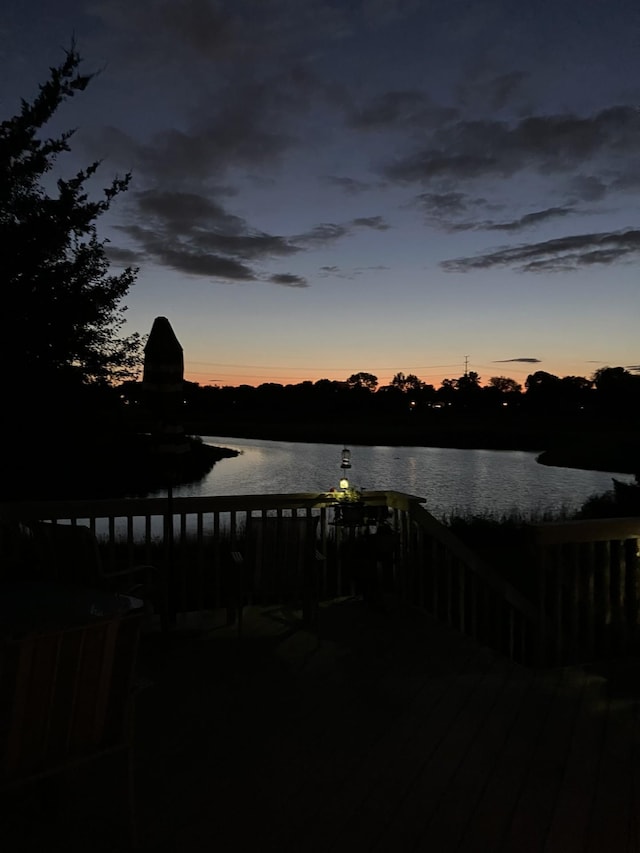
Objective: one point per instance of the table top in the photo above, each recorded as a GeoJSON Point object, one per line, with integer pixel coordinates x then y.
{"type": "Point", "coordinates": [42, 605]}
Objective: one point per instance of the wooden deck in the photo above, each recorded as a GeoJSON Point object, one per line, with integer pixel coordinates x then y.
{"type": "Point", "coordinates": [391, 734]}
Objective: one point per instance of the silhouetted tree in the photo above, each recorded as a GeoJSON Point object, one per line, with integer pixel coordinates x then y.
{"type": "Point", "coordinates": [66, 315]}
{"type": "Point", "coordinates": [61, 344]}
{"type": "Point", "coordinates": [446, 393]}
{"type": "Point", "coordinates": [576, 393]}
{"type": "Point", "coordinates": [618, 390]}
{"type": "Point", "coordinates": [543, 391]}
{"type": "Point", "coordinates": [363, 381]}
{"type": "Point", "coordinates": [407, 383]}
{"type": "Point", "coordinates": [505, 384]}
{"type": "Point", "coordinates": [501, 391]}
{"type": "Point", "coordinates": [469, 382]}
{"type": "Point", "coordinates": [468, 390]}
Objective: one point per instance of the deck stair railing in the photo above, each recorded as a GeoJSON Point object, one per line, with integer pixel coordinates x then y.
{"type": "Point", "coordinates": [587, 575]}
{"type": "Point", "coordinates": [442, 575]}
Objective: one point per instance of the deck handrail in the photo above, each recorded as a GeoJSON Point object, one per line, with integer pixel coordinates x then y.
{"type": "Point", "coordinates": [191, 539]}
{"type": "Point", "coordinates": [585, 588]}
{"type": "Point", "coordinates": [585, 530]}
{"type": "Point", "coordinates": [446, 578]}
{"type": "Point", "coordinates": [587, 577]}
{"type": "Point", "coordinates": [475, 563]}
{"type": "Point", "coordinates": [159, 506]}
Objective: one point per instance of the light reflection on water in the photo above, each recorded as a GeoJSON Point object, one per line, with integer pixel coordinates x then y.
{"type": "Point", "coordinates": [451, 480]}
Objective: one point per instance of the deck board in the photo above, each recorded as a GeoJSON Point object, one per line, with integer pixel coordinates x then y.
{"type": "Point", "coordinates": [489, 821]}
{"type": "Point", "coordinates": [391, 733]}
{"type": "Point", "coordinates": [568, 830]}
{"type": "Point", "coordinates": [544, 777]}
{"type": "Point", "coordinates": [461, 797]}
{"type": "Point", "coordinates": [610, 815]}
{"type": "Point", "coordinates": [403, 735]}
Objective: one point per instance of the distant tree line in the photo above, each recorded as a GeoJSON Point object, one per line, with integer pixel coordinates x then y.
{"type": "Point", "coordinates": [612, 392]}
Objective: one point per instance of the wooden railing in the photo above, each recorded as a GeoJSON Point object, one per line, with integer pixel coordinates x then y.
{"type": "Point", "coordinates": [442, 575]}
{"type": "Point", "coordinates": [584, 576]}
{"type": "Point", "coordinates": [588, 586]}
{"type": "Point", "coordinates": [410, 555]}
{"type": "Point", "coordinates": [192, 540]}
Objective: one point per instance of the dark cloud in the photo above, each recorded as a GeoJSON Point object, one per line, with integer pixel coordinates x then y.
{"type": "Point", "coordinates": [351, 186]}
{"type": "Point", "coordinates": [192, 262]}
{"type": "Point", "coordinates": [525, 360]}
{"type": "Point", "coordinates": [545, 144]}
{"type": "Point", "coordinates": [527, 220]}
{"type": "Point", "coordinates": [454, 211]}
{"type": "Point", "coordinates": [248, 31]}
{"type": "Point", "coordinates": [183, 256]}
{"type": "Point", "coordinates": [237, 77]}
{"type": "Point", "coordinates": [559, 255]}
{"type": "Point", "coordinates": [458, 211]}
{"type": "Point", "coordinates": [242, 133]}
{"type": "Point", "coordinates": [400, 109]}
{"type": "Point", "coordinates": [203, 151]}
{"type": "Point", "coordinates": [252, 246]}
{"type": "Point", "coordinates": [383, 12]}
{"type": "Point", "coordinates": [587, 187]}
{"type": "Point", "coordinates": [322, 234]}
{"type": "Point", "coordinates": [444, 204]}
{"type": "Point", "coordinates": [242, 78]}
{"type": "Point", "coordinates": [182, 211]}
{"type": "Point", "coordinates": [288, 280]}
{"type": "Point", "coordinates": [149, 26]}
{"type": "Point", "coordinates": [246, 121]}
{"type": "Point", "coordinates": [333, 271]}
{"type": "Point", "coordinates": [375, 222]}
{"type": "Point", "coordinates": [122, 257]}
{"type": "Point", "coordinates": [195, 234]}
{"type": "Point", "coordinates": [489, 92]}
{"type": "Point", "coordinates": [328, 232]}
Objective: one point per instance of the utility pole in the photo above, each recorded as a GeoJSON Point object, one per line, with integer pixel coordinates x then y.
{"type": "Point", "coordinates": [466, 364]}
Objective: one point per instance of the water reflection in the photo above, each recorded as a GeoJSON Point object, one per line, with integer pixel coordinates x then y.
{"type": "Point", "coordinates": [451, 480]}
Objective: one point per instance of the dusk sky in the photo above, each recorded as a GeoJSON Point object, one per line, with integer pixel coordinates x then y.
{"type": "Point", "coordinates": [321, 188]}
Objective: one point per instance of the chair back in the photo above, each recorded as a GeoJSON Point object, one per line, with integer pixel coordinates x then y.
{"type": "Point", "coordinates": [68, 553]}
{"type": "Point", "coordinates": [65, 697]}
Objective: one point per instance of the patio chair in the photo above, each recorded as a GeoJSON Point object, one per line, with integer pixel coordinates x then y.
{"type": "Point", "coordinates": [279, 564]}
{"type": "Point", "coordinates": [71, 554]}
{"type": "Point", "coordinates": [66, 699]}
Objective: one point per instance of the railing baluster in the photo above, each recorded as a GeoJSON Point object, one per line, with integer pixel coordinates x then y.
{"type": "Point", "coordinates": [589, 595]}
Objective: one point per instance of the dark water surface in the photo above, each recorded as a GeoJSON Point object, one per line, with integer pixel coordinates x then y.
{"type": "Point", "coordinates": [451, 480]}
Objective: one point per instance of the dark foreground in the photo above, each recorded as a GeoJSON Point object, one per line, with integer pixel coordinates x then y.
{"type": "Point", "coordinates": [391, 733]}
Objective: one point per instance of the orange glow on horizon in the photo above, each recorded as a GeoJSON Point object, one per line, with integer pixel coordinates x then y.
{"type": "Point", "coordinates": [236, 374]}
{"type": "Point", "coordinates": [383, 378]}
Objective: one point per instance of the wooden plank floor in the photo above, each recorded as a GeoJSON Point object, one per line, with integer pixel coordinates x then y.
{"type": "Point", "coordinates": [392, 733]}
{"type": "Point", "coordinates": [395, 734]}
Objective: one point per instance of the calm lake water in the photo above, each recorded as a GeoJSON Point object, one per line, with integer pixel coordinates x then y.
{"type": "Point", "coordinates": [451, 480]}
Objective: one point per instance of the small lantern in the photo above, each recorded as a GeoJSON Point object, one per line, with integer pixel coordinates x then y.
{"type": "Point", "coordinates": [346, 458]}
{"type": "Point", "coordinates": [344, 483]}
